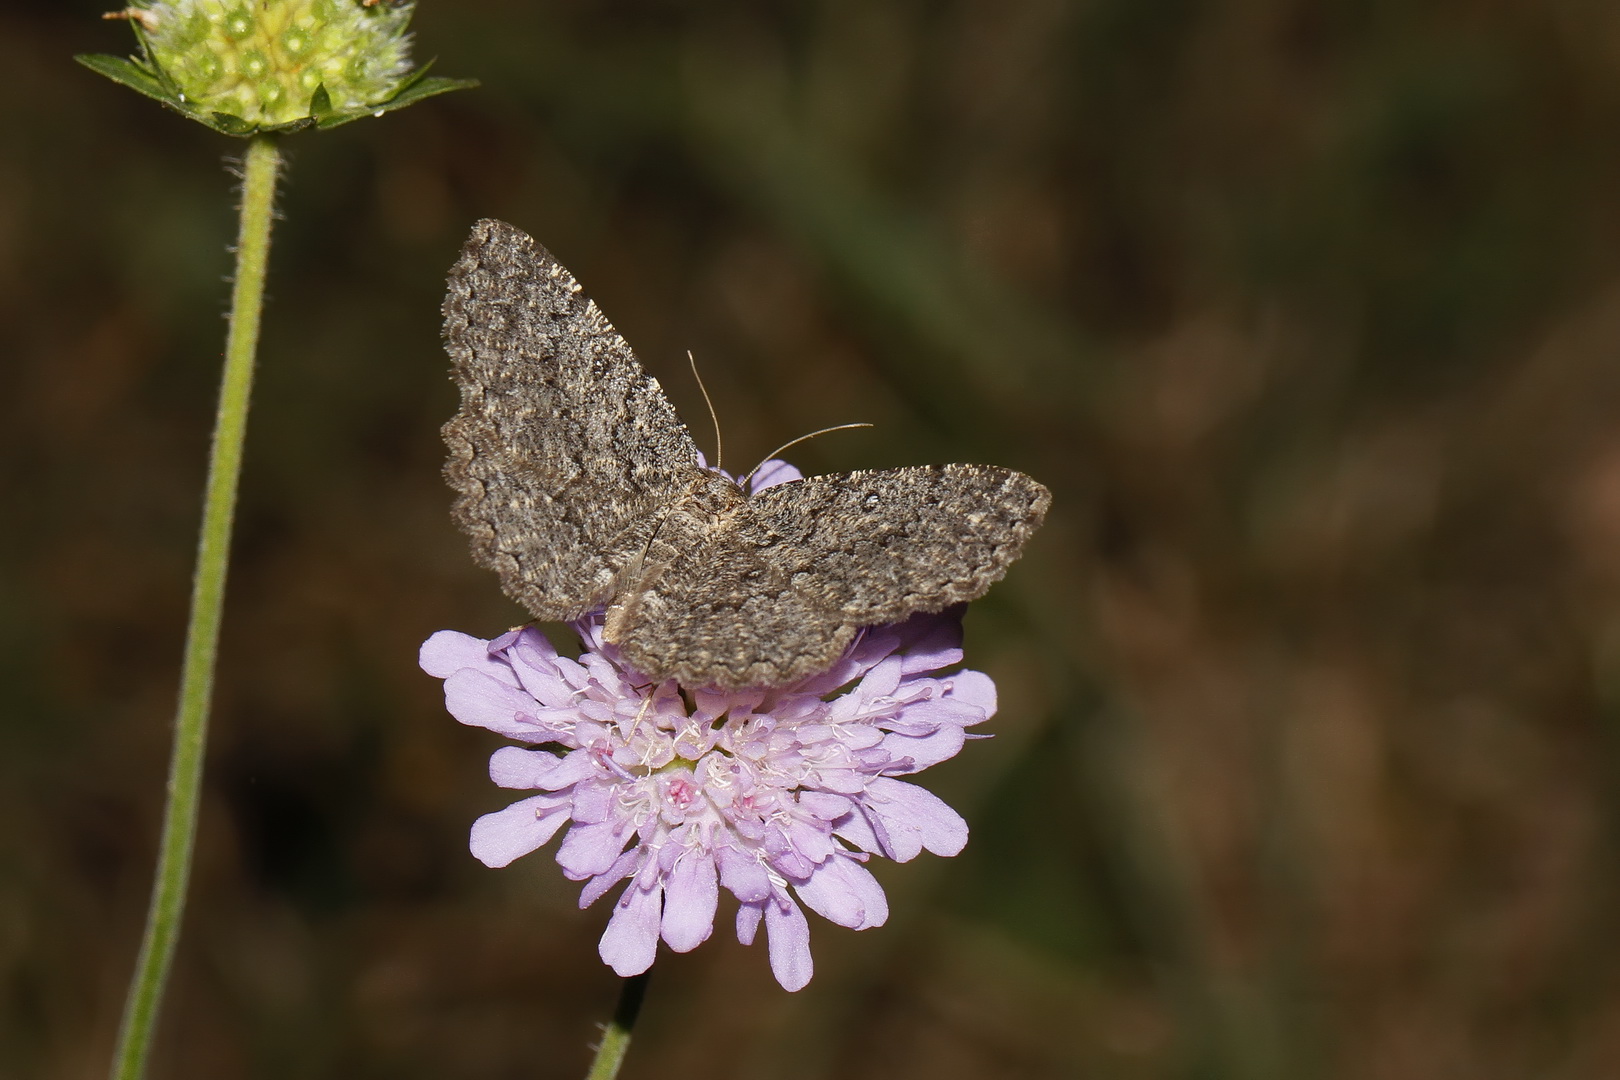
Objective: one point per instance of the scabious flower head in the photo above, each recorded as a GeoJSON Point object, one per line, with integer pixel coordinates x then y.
{"type": "Point", "coordinates": [263, 62]}
{"type": "Point", "coordinates": [242, 66]}
{"type": "Point", "coordinates": [779, 795]}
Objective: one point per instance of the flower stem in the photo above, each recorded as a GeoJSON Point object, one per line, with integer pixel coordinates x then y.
{"type": "Point", "coordinates": [260, 167]}
{"type": "Point", "coordinates": [616, 1037]}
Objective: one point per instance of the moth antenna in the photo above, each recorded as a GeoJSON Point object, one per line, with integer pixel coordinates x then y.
{"type": "Point", "coordinates": [802, 438]}
{"type": "Point", "coordinates": [719, 450]}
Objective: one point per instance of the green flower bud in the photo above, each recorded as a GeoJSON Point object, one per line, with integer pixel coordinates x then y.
{"type": "Point", "coordinates": [269, 65]}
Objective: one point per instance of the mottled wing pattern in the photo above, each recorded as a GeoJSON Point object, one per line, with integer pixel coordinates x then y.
{"type": "Point", "coordinates": [723, 613]}
{"type": "Point", "coordinates": [780, 585]}
{"type": "Point", "coordinates": [564, 450]}
{"type": "Point", "coordinates": [876, 545]}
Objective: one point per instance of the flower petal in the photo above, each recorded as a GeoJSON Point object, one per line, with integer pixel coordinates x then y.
{"type": "Point", "coordinates": [845, 892]}
{"type": "Point", "coordinates": [447, 652]}
{"type": "Point", "coordinates": [534, 663]}
{"type": "Point", "coordinates": [589, 850]}
{"type": "Point", "coordinates": [788, 934]}
{"type": "Point", "coordinates": [914, 818]}
{"type": "Point", "coordinates": [624, 866]}
{"type": "Point", "coordinates": [932, 640]}
{"type": "Point", "coordinates": [630, 941]}
{"type": "Point", "coordinates": [508, 834]}
{"type": "Point", "coordinates": [810, 838]}
{"type": "Point", "coordinates": [593, 801]}
{"type": "Point", "coordinates": [824, 805]}
{"type": "Point", "coordinates": [976, 689]}
{"type": "Point", "coordinates": [690, 899]}
{"type": "Point", "coordinates": [512, 767]}
{"type": "Point", "coordinates": [742, 874]}
{"type": "Point", "coordinates": [856, 829]}
{"type": "Point", "coordinates": [533, 647]}
{"type": "Point", "coordinates": [748, 917]}
{"type": "Point", "coordinates": [771, 473]}
{"type": "Point", "coordinates": [882, 680]}
{"type": "Point", "coordinates": [921, 752]}
{"type": "Point", "coordinates": [477, 699]}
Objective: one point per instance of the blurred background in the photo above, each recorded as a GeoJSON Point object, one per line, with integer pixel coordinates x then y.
{"type": "Point", "coordinates": [1307, 311]}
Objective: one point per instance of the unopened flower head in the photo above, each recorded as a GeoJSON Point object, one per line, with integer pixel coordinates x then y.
{"type": "Point", "coordinates": [263, 62]}
{"type": "Point", "coordinates": [242, 66]}
{"type": "Point", "coordinates": [780, 796]}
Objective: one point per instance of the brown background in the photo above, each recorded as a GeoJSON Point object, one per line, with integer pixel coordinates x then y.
{"type": "Point", "coordinates": [1307, 310]}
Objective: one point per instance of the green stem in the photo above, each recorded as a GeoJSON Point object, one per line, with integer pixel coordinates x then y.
{"type": "Point", "coordinates": [260, 167]}
{"type": "Point", "coordinates": [616, 1036]}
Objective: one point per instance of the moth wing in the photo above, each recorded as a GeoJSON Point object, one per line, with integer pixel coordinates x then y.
{"type": "Point", "coordinates": [877, 545]}
{"type": "Point", "coordinates": [724, 613]}
{"type": "Point", "coordinates": [778, 592]}
{"type": "Point", "coordinates": [564, 449]}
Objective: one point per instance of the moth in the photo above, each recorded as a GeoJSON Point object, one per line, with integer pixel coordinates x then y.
{"type": "Point", "coordinates": [579, 486]}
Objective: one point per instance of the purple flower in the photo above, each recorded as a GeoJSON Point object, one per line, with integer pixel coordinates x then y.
{"type": "Point", "coordinates": [780, 795]}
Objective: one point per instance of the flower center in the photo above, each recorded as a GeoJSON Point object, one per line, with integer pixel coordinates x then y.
{"type": "Point", "coordinates": [680, 792]}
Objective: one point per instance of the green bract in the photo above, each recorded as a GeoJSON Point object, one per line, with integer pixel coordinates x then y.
{"type": "Point", "coordinates": [273, 65]}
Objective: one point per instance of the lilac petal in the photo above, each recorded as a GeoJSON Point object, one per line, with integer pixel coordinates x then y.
{"type": "Point", "coordinates": [825, 894]}
{"type": "Point", "coordinates": [930, 713]}
{"type": "Point", "coordinates": [808, 734]}
{"type": "Point", "coordinates": [609, 675]}
{"type": "Point", "coordinates": [589, 629]}
{"type": "Point", "coordinates": [624, 866]}
{"type": "Point", "coordinates": [975, 688]}
{"type": "Point", "coordinates": [874, 760]}
{"type": "Point", "coordinates": [856, 829]}
{"type": "Point", "coordinates": [788, 933]}
{"type": "Point", "coordinates": [919, 753]}
{"type": "Point", "coordinates": [859, 879]}
{"type": "Point", "coordinates": [508, 834]}
{"type": "Point", "coordinates": [742, 874]}
{"type": "Point", "coordinates": [841, 781]}
{"type": "Point", "coordinates": [773, 472]}
{"type": "Point", "coordinates": [813, 843]}
{"type": "Point", "coordinates": [690, 899]}
{"type": "Point", "coordinates": [511, 767]}
{"type": "Point", "coordinates": [932, 640]}
{"type": "Point", "coordinates": [593, 802]}
{"type": "Point", "coordinates": [908, 722]}
{"type": "Point", "coordinates": [500, 644]}
{"type": "Point", "coordinates": [589, 850]}
{"type": "Point", "coordinates": [630, 941]}
{"type": "Point", "coordinates": [545, 685]}
{"type": "Point", "coordinates": [845, 892]}
{"type": "Point", "coordinates": [533, 647]}
{"type": "Point", "coordinates": [477, 699]}
{"type": "Point", "coordinates": [882, 680]}
{"type": "Point", "coordinates": [784, 857]}
{"type": "Point", "coordinates": [599, 712]}
{"type": "Point", "coordinates": [748, 916]}
{"type": "Point", "coordinates": [871, 695]}
{"type": "Point", "coordinates": [933, 658]}
{"type": "Point", "coordinates": [448, 651]}
{"type": "Point", "coordinates": [875, 643]}
{"type": "Point", "coordinates": [824, 804]}
{"type": "Point", "coordinates": [914, 818]}
{"type": "Point", "coordinates": [846, 669]}
{"type": "Point", "coordinates": [857, 737]}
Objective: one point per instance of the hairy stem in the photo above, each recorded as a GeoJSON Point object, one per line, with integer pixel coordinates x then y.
{"type": "Point", "coordinates": [260, 168]}
{"type": "Point", "coordinates": [616, 1036]}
